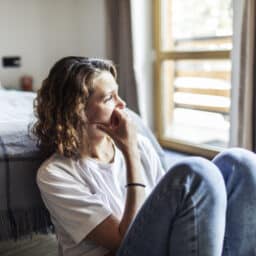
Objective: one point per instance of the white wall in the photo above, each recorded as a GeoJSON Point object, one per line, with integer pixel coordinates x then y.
{"type": "Point", "coordinates": [42, 31]}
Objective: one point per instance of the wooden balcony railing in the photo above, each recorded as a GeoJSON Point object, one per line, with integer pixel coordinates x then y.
{"type": "Point", "coordinates": [212, 97]}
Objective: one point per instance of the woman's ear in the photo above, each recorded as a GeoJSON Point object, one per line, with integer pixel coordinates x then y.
{"type": "Point", "coordinates": [86, 117]}
{"type": "Point", "coordinates": [81, 113]}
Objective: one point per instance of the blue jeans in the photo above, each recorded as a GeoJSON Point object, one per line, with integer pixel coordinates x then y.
{"type": "Point", "coordinates": [238, 167]}
{"type": "Point", "coordinates": [192, 208]}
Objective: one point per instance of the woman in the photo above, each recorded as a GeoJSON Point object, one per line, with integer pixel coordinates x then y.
{"type": "Point", "coordinates": [104, 185]}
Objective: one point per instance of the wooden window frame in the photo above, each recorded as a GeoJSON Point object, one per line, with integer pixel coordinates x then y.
{"type": "Point", "coordinates": [160, 57]}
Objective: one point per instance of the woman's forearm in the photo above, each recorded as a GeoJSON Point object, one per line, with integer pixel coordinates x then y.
{"type": "Point", "coordinates": [135, 194]}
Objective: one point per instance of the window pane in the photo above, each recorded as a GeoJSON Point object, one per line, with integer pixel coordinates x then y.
{"type": "Point", "coordinates": [197, 101]}
{"type": "Point", "coordinates": [196, 25]}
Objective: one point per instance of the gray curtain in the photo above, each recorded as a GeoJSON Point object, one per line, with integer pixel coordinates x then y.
{"type": "Point", "coordinates": [254, 85]}
{"type": "Point", "coordinates": [120, 49]}
{"type": "Point", "coordinates": [243, 82]}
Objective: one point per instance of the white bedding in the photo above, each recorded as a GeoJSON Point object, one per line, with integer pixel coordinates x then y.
{"type": "Point", "coordinates": [16, 109]}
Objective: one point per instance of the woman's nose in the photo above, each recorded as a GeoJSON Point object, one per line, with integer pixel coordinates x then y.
{"type": "Point", "coordinates": [120, 103]}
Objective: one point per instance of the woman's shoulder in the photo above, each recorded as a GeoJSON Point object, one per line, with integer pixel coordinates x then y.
{"type": "Point", "coordinates": [56, 166]}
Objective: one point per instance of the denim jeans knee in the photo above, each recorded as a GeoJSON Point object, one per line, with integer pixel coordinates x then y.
{"type": "Point", "coordinates": [238, 163]}
{"type": "Point", "coordinates": [238, 167]}
{"type": "Point", "coordinates": [204, 187]}
{"type": "Point", "coordinates": [201, 169]}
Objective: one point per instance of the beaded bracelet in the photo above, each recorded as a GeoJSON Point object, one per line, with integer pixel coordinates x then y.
{"type": "Point", "coordinates": [135, 184]}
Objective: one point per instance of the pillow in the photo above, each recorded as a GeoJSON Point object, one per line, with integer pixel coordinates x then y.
{"type": "Point", "coordinates": [145, 131]}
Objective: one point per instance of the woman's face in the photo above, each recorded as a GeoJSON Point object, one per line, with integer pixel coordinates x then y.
{"type": "Point", "coordinates": [103, 100]}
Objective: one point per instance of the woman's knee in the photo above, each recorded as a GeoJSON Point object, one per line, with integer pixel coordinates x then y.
{"type": "Point", "coordinates": [238, 163]}
{"type": "Point", "coordinates": [196, 172]}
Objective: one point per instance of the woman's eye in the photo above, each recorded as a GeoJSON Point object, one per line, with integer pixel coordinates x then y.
{"type": "Point", "coordinates": [109, 98]}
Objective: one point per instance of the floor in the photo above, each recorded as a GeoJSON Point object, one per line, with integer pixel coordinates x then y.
{"type": "Point", "coordinates": [39, 245]}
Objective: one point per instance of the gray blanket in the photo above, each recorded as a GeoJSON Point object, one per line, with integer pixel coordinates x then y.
{"type": "Point", "coordinates": [21, 208]}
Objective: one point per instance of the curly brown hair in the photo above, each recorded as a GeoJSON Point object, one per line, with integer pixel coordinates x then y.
{"type": "Point", "coordinates": [61, 103]}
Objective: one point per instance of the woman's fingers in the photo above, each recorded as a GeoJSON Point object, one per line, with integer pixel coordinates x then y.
{"type": "Point", "coordinates": [119, 116]}
{"type": "Point", "coordinates": [114, 120]}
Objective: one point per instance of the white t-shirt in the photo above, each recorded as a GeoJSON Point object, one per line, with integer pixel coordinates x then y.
{"type": "Point", "coordinates": [81, 194]}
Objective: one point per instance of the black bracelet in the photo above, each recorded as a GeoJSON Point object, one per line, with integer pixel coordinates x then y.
{"type": "Point", "coordinates": [135, 184]}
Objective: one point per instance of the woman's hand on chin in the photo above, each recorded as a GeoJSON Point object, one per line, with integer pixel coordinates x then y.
{"type": "Point", "coordinates": [122, 131]}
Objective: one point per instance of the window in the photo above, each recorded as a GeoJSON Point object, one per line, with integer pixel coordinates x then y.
{"type": "Point", "coordinates": [193, 42]}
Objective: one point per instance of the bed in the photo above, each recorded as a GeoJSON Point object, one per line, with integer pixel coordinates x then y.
{"type": "Point", "coordinates": [22, 211]}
